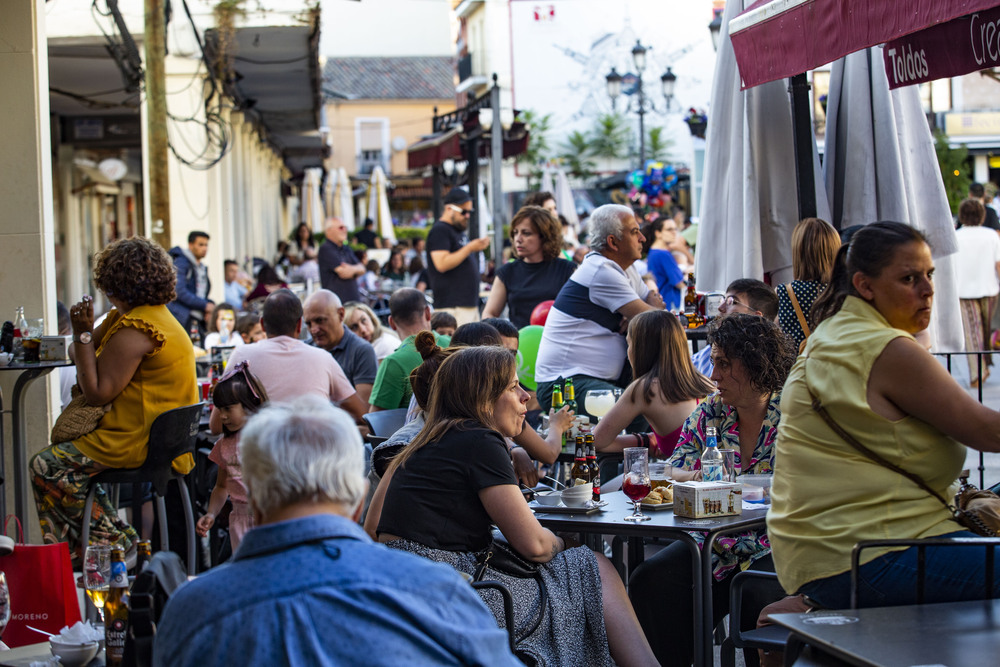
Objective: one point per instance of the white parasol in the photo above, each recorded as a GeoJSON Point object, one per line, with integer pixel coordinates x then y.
{"type": "Point", "coordinates": [312, 204]}
{"type": "Point", "coordinates": [750, 205]}
{"type": "Point", "coordinates": [565, 203]}
{"type": "Point", "coordinates": [881, 164]}
{"type": "Point", "coordinates": [378, 205]}
{"type": "Point", "coordinates": [343, 199]}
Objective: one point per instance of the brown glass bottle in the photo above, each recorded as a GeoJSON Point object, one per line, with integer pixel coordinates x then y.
{"type": "Point", "coordinates": [580, 472]}
{"type": "Point", "coordinates": [595, 470]}
{"type": "Point", "coordinates": [116, 610]}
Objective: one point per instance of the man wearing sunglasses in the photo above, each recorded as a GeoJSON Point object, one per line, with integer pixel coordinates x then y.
{"type": "Point", "coordinates": [454, 265]}
{"type": "Point", "coordinates": [744, 295]}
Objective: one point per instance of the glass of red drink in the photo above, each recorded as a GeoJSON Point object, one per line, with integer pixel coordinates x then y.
{"type": "Point", "coordinates": [636, 482]}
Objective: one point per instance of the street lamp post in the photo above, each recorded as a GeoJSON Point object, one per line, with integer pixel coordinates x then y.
{"type": "Point", "coordinates": [643, 106]}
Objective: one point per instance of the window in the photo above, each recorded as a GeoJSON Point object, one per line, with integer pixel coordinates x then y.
{"type": "Point", "coordinates": [372, 137]}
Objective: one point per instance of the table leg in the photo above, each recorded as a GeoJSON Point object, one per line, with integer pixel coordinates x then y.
{"type": "Point", "coordinates": [19, 430]}
{"type": "Point", "coordinates": [701, 599]}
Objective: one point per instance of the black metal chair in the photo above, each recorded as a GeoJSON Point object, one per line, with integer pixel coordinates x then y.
{"type": "Point", "coordinates": [172, 434]}
{"type": "Point", "coordinates": [385, 422]}
{"type": "Point", "coordinates": [761, 587]}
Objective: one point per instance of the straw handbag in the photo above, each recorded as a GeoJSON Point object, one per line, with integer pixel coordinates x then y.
{"type": "Point", "coordinates": [78, 419]}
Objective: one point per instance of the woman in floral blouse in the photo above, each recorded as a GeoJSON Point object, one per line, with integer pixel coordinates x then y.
{"type": "Point", "coordinates": [752, 358]}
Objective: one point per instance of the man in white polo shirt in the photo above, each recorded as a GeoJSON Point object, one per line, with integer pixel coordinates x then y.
{"type": "Point", "coordinates": [584, 335]}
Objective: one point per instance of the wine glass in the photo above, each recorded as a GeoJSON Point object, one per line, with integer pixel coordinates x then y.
{"type": "Point", "coordinates": [599, 402]}
{"type": "Point", "coordinates": [636, 484]}
{"type": "Point", "coordinates": [4, 603]}
{"type": "Point", "coordinates": [97, 575]}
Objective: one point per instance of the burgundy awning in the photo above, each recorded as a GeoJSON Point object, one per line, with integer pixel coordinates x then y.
{"type": "Point", "coordinates": [775, 39]}
{"type": "Point", "coordinates": [966, 44]}
{"type": "Point", "coordinates": [435, 149]}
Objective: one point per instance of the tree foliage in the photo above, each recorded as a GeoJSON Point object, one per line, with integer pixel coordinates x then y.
{"type": "Point", "coordinates": [609, 138]}
{"type": "Point", "coordinates": [954, 170]}
{"type": "Point", "coordinates": [575, 153]}
{"type": "Point", "coordinates": [658, 146]}
{"type": "Point", "coordinates": [538, 151]}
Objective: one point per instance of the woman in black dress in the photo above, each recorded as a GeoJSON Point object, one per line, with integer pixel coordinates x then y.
{"type": "Point", "coordinates": [441, 496]}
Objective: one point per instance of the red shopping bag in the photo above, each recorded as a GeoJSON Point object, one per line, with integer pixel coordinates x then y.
{"type": "Point", "coordinates": [42, 592]}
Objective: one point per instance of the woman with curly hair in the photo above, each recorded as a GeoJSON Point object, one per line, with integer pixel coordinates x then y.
{"type": "Point", "coordinates": [537, 274]}
{"type": "Point", "coordinates": [137, 364]}
{"type": "Point", "coordinates": [751, 358]}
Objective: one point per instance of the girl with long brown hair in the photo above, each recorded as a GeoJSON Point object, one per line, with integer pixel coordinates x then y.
{"type": "Point", "coordinates": [666, 389]}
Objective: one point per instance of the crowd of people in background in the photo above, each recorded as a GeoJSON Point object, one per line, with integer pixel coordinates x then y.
{"type": "Point", "coordinates": [428, 327]}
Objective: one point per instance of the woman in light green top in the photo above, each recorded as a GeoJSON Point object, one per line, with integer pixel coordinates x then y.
{"type": "Point", "coordinates": [882, 387]}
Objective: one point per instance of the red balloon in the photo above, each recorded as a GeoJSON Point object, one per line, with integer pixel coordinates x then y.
{"type": "Point", "coordinates": [541, 313]}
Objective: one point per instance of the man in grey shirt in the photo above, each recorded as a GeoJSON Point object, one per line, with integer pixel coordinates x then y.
{"type": "Point", "coordinates": [323, 314]}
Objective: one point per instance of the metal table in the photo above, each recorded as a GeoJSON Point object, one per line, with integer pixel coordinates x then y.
{"type": "Point", "coordinates": [951, 633]}
{"type": "Point", "coordinates": [663, 523]}
{"type": "Point", "coordinates": [28, 373]}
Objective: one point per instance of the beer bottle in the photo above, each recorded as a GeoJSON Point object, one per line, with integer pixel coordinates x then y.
{"type": "Point", "coordinates": [570, 395]}
{"type": "Point", "coordinates": [580, 472]}
{"type": "Point", "coordinates": [116, 610]}
{"type": "Point", "coordinates": [595, 470]}
{"type": "Point", "coordinates": [557, 403]}
{"type": "Point", "coordinates": [195, 335]}
{"type": "Point", "coordinates": [144, 554]}
{"type": "Point", "coordinates": [691, 303]}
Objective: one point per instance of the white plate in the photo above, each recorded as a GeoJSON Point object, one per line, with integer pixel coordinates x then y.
{"type": "Point", "coordinates": [589, 508]}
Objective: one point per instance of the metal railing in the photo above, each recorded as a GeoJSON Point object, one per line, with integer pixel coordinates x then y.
{"type": "Point", "coordinates": [947, 357]}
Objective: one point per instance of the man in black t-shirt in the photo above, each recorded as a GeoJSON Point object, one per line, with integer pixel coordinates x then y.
{"type": "Point", "coordinates": [454, 265]}
{"type": "Point", "coordinates": [977, 191]}
{"type": "Point", "coordinates": [367, 235]}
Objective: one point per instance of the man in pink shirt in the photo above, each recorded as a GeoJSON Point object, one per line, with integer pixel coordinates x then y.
{"type": "Point", "coordinates": [289, 368]}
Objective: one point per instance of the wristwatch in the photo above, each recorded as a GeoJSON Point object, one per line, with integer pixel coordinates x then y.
{"type": "Point", "coordinates": [84, 338]}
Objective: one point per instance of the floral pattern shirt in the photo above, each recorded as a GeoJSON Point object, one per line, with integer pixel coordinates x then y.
{"type": "Point", "coordinates": [738, 549]}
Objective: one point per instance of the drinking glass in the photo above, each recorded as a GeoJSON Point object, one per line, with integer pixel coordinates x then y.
{"type": "Point", "coordinates": [636, 484]}
{"type": "Point", "coordinates": [4, 604]}
{"type": "Point", "coordinates": [599, 402]}
{"type": "Point", "coordinates": [97, 574]}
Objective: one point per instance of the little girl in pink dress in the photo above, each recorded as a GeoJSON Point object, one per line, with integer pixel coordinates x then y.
{"type": "Point", "coordinates": [237, 396]}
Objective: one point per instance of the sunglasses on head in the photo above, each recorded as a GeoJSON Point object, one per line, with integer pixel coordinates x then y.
{"type": "Point", "coordinates": [242, 367]}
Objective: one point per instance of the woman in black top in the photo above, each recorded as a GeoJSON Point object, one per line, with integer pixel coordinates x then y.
{"type": "Point", "coordinates": [537, 275]}
{"type": "Point", "coordinates": [442, 494]}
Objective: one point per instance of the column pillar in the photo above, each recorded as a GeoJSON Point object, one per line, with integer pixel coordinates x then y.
{"type": "Point", "coordinates": [27, 230]}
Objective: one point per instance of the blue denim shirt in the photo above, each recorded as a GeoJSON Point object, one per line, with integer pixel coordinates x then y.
{"type": "Point", "coordinates": [318, 591]}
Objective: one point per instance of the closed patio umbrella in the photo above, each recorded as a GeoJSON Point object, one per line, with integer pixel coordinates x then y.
{"type": "Point", "coordinates": [750, 205]}
{"type": "Point", "coordinates": [343, 199]}
{"type": "Point", "coordinates": [378, 205]}
{"type": "Point", "coordinates": [880, 164]}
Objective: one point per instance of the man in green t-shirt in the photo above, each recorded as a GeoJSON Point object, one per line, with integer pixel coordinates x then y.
{"type": "Point", "coordinates": [409, 314]}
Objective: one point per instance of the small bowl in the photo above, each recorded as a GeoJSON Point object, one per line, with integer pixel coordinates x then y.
{"type": "Point", "coordinates": [577, 496]}
{"type": "Point", "coordinates": [73, 655]}
{"type": "Point", "coordinates": [5, 358]}
{"type": "Point", "coordinates": [548, 497]}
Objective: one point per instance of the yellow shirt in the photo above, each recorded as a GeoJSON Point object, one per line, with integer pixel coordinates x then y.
{"type": "Point", "coordinates": [164, 380]}
{"type": "Point", "coordinates": [826, 495]}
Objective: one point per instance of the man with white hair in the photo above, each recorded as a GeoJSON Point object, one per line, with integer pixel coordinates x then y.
{"type": "Point", "coordinates": [307, 586]}
{"type": "Point", "coordinates": [584, 335]}
{"type": "Point", "coordinates": [339, 267]}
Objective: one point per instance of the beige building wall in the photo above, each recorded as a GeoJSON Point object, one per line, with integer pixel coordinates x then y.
{"type": "Point", "coordinates": [405, 121]}
{"type": "Point", "coordinates": [27, 236]}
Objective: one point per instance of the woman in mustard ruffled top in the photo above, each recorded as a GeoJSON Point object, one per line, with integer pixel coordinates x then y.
{"type": "Point", "coordinates": [138, 363]}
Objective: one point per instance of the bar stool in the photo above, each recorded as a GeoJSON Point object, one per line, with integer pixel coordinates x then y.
{"type": "Point", "coordinates": [173, 434]}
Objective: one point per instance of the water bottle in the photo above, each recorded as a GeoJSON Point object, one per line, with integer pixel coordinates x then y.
{"type": "Point", "coordinates": [712, 462]}
{"type": "Point", "coordinates": [20, 333]}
